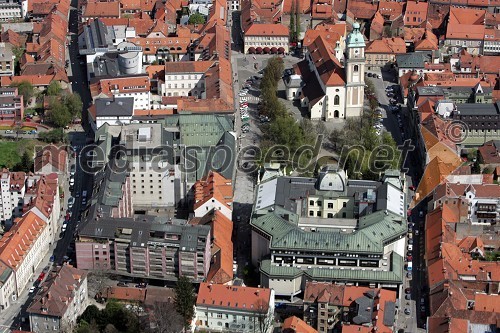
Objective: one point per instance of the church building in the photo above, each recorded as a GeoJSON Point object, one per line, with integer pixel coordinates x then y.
{"type": "Point", "coordinates": [330, 81]}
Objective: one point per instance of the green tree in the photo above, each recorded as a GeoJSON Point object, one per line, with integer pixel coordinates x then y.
{"type": "Point", "coordinates": [297, 22]}
{"type": "Point", "coordinates": [18, 54]}
{"type": "Point", "coordinates": [185, 300]}
{"type": "Point", "coordinates": [25, 89]}
{"type": "Point", "coordinates": [196, 18]}
{"type": "Point", "coordinates": [59, 113]}
{"type": "Point", "coordinates": [54, 136]}
{"type": "Point", "coordinates": [26, 163]}
{"type": "Point", "coordinates": [74, 104]}
{"type": "Point", "coordinates": [54, 88]}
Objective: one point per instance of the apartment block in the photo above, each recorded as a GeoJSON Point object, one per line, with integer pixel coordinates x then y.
{"type": "Point", "coordinates": [329, 228]}
{"type": "Point", "coordinates": [24, 246]}
{"type": "Point", "coordinates": [145, 247]}
{"type": "Point", "coordinates": [7, 286]}
{"type": "Point", "coordinates": [12, 195]}
{"type": "Point", "coordinates": [7, 58]}
{"type": "Point", "coordinates": [11, 104]}
{"type": "Point", "coordinates": [359, 309]}
{"type": "Point", "coordinates": [234, 308]}
{"type": "Point", "coordinates": [62, 297]}
{"type": "Point", "coordinates": [10, 10]}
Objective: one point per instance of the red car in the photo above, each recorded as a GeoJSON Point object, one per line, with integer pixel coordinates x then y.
{"type": "Point", "coordinates": [412, 188]}
{"type": "Point", "coordinates": [41, 276]}
{"type": "Point", "coordinates": [410, 258]}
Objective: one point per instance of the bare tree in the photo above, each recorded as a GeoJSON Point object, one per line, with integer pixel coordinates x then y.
{"type": "Point", "coordinates": [165, 318]}
{"type": "Point", "coordinates": [264, 318]}
{"type": "Point", "coordinates": [97, 280]}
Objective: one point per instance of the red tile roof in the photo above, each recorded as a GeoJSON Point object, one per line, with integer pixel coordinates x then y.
{"type": "Point", "coordinates": [296, 325]}
{"type": "Point", "coordinates": [394, 45]}
{"type": "Point", "coordinates": [132, 84]}
{"type": "Point", "coordinates": [58, 291]}
{"type": "Point", "coordinates": [361, 9]}
{"type": "Point", "coordinates": [18, 241]}
{"type": "Point", "coordinates": [490, 152]}
{"type": "Point", "coordinates": [390, 9]}
{"type": "Point", "coordinates": [125, 293]}
{"type": "Point", "coordinates": [415, 13]}
{"type": "Point", "coordinates": [331, 33]}
{"type": "Point", "coordinates": [213, 186]}
{"type": "Point", "coordinates": [234, 297]}
{"type": "Point", "coordinates": [101, 9]}
{"type": "Point", "coordinates": [328, 67]}
{"type": "Point", "coordinates": [465, 23]}
{"type": "Point", "coordinates": [267, 30]}
{"type": "Point", "coordinates": [221, 267]}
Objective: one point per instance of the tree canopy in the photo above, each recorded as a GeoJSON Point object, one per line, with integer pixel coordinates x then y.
{"type": "Point", "coordinates": [64, 110]}
{"type": "Point", "coordinates": [54, 88]}
{"type": "Point", "coordinates": [196, 18]}
{"type": "Point", "coordinates": [25, 89]}
{"type": "Point", "coordinates": [185, 299]}
{"type": "Point", "coordinates": [114, 318]}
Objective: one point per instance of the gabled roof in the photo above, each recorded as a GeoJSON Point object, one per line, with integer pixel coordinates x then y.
{"type": "Point", "coordinates": [101, 9]}
{"type": "Point", "coordinates": [268, 29]}
{"type": "Point", "coordinates": [213, 186]}
{"type": "Point", "coordinates": [390, 9]}
{"type": "Point", "coordinates": [296, 325]}
{"type": "Point", "coordinates": [234, 297]}
{"type": "Point", "coordinates": [18, 241]}
{"type": "Point", "coordinates": [328, 67]}
{"type": "Point", "coordinates": [465, 23]}
{"type": "Point", "coordinates": [58, 291]}
{"type": "Point", "coordinates": [394, 45]}
{"type": "Point", "coordinates": [330, 32]}
{"type": "Point", "coordinates": [362, 9]}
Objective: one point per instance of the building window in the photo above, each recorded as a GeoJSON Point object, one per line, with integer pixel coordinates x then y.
{"type": "Point", "coordinates": [356, 68]}
{"type": "Point", "coordinates": [311, 213]}
{"type": "Point", "coordinates": [318, 213]}
{"type": "Point", "coordinates": [311, 202]}
{"type": "Point", "coordinates": [330, 205]}
{"type": "Point", "coordinates": [336, 100]}
{"type": "Point", "coordinates": [330, 215]}
{"type": "Point", "coordinates": [344, 204]}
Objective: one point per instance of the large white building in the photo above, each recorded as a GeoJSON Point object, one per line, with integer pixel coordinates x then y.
{"type": "Point", "coordinates": [329, 89]}
{"type": "Point", "coordinates": [24, 246]}
{"type": "Point", "coordinates": [329, 229]}
{"type": "Point", "coordinates": [11, 195]}
{"type": "Point", "coordinates": [7, 286]}
{"type": "Point", "coordinates": [225, 308]}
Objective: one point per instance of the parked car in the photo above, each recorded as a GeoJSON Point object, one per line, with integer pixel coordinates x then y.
{"type": "Point", "coordinates": [71, 202]}
{"type": "Point", "coordinates": [9, 132]}
{"type": "Point", "coordinates": [407, 311]}
{"type": "Point", "coordinates": [122, 284]}
{"type": "Point", "coordinates": [407, 291]}
{"type": "Point", "coordinates": [32, 290]}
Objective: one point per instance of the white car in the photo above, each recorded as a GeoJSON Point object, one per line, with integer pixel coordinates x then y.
{"type": "Point", "coordinates": [32, 290]}
{"type": "Point", "coordinates": [242, 94]}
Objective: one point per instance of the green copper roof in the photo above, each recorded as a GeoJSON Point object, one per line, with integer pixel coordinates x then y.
{"type": "Point", "coordinates": [394, 275]}
{"type": "Point", "coordinates": [374, 229]}
{"type": "Point", "coordinates": [355, 38]}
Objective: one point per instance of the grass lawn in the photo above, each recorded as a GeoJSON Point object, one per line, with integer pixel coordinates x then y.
{"type": "Point", "coordinates": [11, 151]}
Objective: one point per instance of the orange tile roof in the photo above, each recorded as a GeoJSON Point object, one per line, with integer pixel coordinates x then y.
{"type": "Point", "coordinates": [331, 33]}
{"type": "Point", "coordinates": [12, 37]}
{"type": "Point", "coordinates": [267, 30]}
{"type": "Point", "coordinates": [176, 45]}
{"type": "Point", "coordinates": [435, 172]}
{"type": "Point", "coordinates": [221, 267]}
{"type": "Point", "coordinates": [17, 242]}
{"type": "Point", "coordinates": [465, 23]}
{"type": "Point", "coordinates": [297, 325]}
{"type": "Point", "coordinates": [324, 292]}
{"type": "Point", "coordinates": [429, 41]}
{"type": "Point", "coordinates": [377, 26]}
{"type": "Point", "coordinates": [131, 84]}
{"type": "Point", "coordinates": [321, 9]}
{"type": "Point", "coordinates": [125, 293]}
{"type": "Point", "coordinates": [213, 186]}
{"type": "Point", "coordinates": [415, 13]}
{"type": "Point", "coordinates": [390, 9]}
{"type": "Point", "coordinates": [234, 297]}
{"type": "Point", "coordinates": [361, 9]}
{"type": "Point", "coordinates": [35, 80]}
{"type": "Point", "coordinates": [156, 71]}
{"type": "Point", "coordinates": [394, 45]}
{"type": "Point", "coordinates": [301, 6]}
{"type": "Point", "coordinates": [188, 66]}
{"type": "Point", "coordinates": [101, 9]}
{"type": "Point", "coordinates": [489, 303]}
{"type": "Point", "coordinates": [328, 67]}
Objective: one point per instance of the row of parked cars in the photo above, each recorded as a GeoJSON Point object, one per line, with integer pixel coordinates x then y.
{"type": "Point", "coordinates": [21, 132]}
